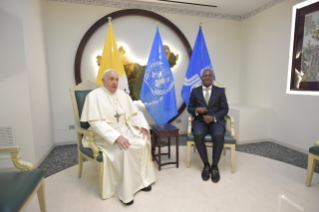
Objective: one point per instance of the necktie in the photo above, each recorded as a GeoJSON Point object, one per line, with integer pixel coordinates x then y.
{"type": "Point", "coordinates": [206, 95]}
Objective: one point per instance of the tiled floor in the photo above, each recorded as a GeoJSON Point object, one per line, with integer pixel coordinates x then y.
{"type": "Point", "coordinates": [258, 184]}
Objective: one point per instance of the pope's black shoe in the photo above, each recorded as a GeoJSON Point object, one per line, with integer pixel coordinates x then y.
{"type": "Point", "coordinates": [215, 174]}
{"type": "Point", "coordinates": [148, 188]}
{"type": "Point", "coordinates": [205, 172]}
{"type": "Point", "coordinates": [128, 203]}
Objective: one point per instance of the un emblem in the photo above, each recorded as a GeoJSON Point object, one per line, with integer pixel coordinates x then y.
{"type": "Point", "coordinates": [159, 78]}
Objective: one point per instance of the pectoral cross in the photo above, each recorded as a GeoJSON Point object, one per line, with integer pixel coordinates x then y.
{"type": "Point", "coordinates": [117, 116]}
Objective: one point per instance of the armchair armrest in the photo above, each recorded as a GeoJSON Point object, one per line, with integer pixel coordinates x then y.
{"type": "Point", "coordinates": [90, 134]}
{"type": "Point", "coordinates": [232, 125]}
{"type": "Point", "coordinates": [16, 158]}
{"type": "Point", "coordinates": [189, 130]}
{"type": "Point", "coordinates": [84, 131]}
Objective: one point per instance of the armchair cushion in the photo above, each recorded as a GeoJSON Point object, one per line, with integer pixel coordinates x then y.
{"type": "Point", "coordinates": [80, 99]}
{"type": "Point", "coordinates": [16, 188]}
{"type": "Point", "coordinates": [227, 138]}
{"type": "Point", "coordinates": [88, 152]}
{"type": "Point", "coordinates": [314, 150]}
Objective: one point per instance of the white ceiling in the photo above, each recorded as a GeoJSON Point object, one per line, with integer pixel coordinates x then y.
{"type": "Point", "coordinates": [232, 7]}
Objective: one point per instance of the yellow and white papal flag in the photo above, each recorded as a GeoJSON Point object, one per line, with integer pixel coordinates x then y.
{"type": "Point", "coordinates": [111, 59]}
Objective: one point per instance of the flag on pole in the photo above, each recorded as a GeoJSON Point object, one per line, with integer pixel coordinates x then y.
{"type": "Point", "coordinates": [199, 62]}
{"type": "Point", "coordinates": [111, 59]}
{"type": "Point", "coordinates": [158, 90]}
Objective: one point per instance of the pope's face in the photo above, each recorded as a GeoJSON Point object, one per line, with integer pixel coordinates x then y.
{"type": "Point", "coordinates": [111, 81]}
{"type": "Point", "coordinates": [207, 78]}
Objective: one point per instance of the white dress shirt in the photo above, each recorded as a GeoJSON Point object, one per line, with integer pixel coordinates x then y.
{"type": "Point", "coordinates": [209, 91]}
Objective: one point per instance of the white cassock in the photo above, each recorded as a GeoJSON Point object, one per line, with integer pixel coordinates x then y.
{"type": "Point", "coordinates": [126, 171]}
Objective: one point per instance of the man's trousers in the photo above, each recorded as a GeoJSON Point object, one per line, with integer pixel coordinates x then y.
{"type": "Point", "coordinates": [216, 130]}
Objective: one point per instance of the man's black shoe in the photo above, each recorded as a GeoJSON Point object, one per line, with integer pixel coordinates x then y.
{"type": "Point", "coordinates": [205, 172]}
{"type": "Point", "coordinates": [148, 188]}
{"type": "Point", "coordinates": [129, 203]}
{"type": "Point", "coordinates": [215, 174]}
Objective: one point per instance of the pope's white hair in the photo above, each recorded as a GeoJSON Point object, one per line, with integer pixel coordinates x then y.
{"type": "Point", "coordinates": [107, 71]}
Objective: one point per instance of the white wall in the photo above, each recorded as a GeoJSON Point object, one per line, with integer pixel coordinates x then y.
{"type": "Point", "coordinates": [223, 44]}
{"type": "Point", "coordinates": [25, 100]}
{"type": "Point", "coordinates": [14, 87]}
{"type": "Point", "coordinates": [36, 69]}
{"type": "Point", "coordinates": [65, 25]}
{"type": "Point", "coordinates": [265, 40]}
{"type": "Point", "coordinates": [37, 77]}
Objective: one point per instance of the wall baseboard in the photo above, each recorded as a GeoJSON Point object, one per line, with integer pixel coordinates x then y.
{"type": "Point", "coordinates": [254, 141]}
{"type": "Point", "coordinates": [290, 146]}
{"type": "Point", "coordinates": [65, 143]}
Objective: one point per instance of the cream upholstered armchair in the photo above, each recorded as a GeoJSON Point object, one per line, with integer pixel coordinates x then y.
{"type": "Point", "coordinates": [312, 157]}
{"type": "Point", "coordinates": [17, 189]}
{"type": "Point", "coordinates": [229, 136]}
{"type": "Point", "coordinates": [93, 154]}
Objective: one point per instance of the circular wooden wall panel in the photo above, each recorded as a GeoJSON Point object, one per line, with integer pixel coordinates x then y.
{"type": "Point", "coordinates": [119, 14]}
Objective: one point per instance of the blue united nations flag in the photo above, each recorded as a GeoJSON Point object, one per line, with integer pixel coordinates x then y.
{"type": "Point", "coordinates": [198, 63]}
{"type": "Point", "coordinates": [158, 90]}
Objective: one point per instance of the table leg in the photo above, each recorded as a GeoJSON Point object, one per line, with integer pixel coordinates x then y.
{"type": "Point", "coordinates": [159, 152]}
{"type": "Point", "coordinates": [177, 147]}
{"type": "Point", "coordinates": [169, 147]}
{"type": "Point", "coordinates": [153, 140]}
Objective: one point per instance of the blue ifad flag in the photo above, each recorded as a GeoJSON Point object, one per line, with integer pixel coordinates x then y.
{"type": "Point", "coordinates": [158, 90]}
{"type": "Point", "coordinates": [198, 63]}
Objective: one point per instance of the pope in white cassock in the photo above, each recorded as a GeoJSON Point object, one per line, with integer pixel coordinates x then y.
{"type": "Point", "coordinates": [122, 135]}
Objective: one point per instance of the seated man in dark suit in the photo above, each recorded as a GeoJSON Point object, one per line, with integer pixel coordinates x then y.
{"type": "Point", "coordinates": [208, 105]}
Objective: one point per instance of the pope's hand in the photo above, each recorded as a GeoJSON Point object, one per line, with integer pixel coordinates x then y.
{"type": "Point", "coordinates": [145, 133]}
{"type": "Point", "coordinates": [123, 142]}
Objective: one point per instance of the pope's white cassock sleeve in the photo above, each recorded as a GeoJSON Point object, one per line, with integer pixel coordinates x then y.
{"type": "Point", "coordinates": [125, 171]}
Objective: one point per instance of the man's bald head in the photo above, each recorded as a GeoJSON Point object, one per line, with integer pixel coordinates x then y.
{"type": "Point", "coordinates": [110, 80]}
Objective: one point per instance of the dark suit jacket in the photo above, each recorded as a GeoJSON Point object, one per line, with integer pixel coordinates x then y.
{"type": "Point", "coordinates": [217, 105]}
